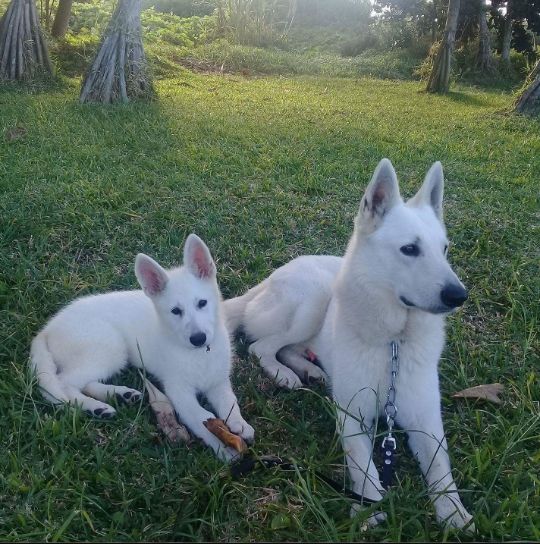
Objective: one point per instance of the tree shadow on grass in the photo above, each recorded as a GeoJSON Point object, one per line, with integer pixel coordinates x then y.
{"type": "Point", "coordinates": [467, 98]}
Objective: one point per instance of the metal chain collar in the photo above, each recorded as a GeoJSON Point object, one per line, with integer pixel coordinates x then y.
{"type": "Point", "coordinates": [390, 408]}
{"type": "Point", "coordinates": [389, 445]}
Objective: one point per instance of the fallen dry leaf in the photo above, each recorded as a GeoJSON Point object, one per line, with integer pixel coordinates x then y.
{"type": "Point", "coordinates": [488, 391]}
{"type": "Point", "coordinates": [165, 414]}
{"type": "Point", "coordinates": [14, 133]}
{"type": "Point", "coordinates": [218, 428]}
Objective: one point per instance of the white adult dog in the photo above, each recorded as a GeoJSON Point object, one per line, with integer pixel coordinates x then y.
{"type": "Point", "coordinates": [174, 327]}
{"type": "Point", "coordinates": [394, 284]}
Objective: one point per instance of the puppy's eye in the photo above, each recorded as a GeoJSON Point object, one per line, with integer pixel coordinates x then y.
{"type": "Point", "coordinates": [411, 250]}
{"type": "Point", "coordinates": [176, 311]}
{"type": "Point", "coordinates": [202, 303]}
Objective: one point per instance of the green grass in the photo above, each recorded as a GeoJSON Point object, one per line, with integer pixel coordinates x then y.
{"type": "Point", "coordinates": [264, 170]}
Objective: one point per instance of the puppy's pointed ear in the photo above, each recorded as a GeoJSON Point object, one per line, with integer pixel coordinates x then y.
{"type": "Point", "coordinates": [381, 195]}
{"type": "Point", "coordinates": [432, 190]}
{"type": "Point", "coordinates": [197, 258]}
{"type": "Point", "coordinates": [151, 276]}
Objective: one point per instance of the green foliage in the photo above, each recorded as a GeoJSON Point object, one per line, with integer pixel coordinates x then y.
{"type": "Point", "coordinates": [221, 56]}
{"type": "Point", "coordinates": [464, 61]}
{"type": "Point", "coordinates": [264, 169]}
{"type": "Point", "coordinates": [182, 8]}
{"type": "Point", "coordinates": [160, 28]}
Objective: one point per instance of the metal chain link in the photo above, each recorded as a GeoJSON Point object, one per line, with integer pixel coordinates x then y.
{"type": "Point", "coordinates": [390, 408]}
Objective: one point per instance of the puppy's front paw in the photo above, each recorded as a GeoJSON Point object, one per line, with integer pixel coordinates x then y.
{"type": "Point", "coordinates": [243, 429]}
{"type": "Point", "coordinates": [227, 454]}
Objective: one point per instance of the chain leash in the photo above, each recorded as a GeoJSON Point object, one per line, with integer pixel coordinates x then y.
{"type": "Point", "coordinates": [389, 443]}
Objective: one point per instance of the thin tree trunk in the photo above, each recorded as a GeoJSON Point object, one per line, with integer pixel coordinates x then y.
{"type": "Point", "coordinates": [61, 19]}
{"type": "Point", "coordinates": [439, 80]}
{"type": "Point", "coordinates": [23, 50]}
{"type": "Point", "coordinates": [529, 100]}
{"type": "Point", "coordinates": [119, 72]}
{"type": "Point", "coordinates": [507, 35]}
{"type": "Point", "coordinates": [484, 58]}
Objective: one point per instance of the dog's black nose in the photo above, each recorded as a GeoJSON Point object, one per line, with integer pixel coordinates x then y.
{"type": "Point", "coordinates": [453, 295]}
{"type": "Point", "coordinates": [198, 339]}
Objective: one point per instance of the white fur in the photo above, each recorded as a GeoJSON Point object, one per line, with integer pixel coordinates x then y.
{"type": "Point", "coordinates": [94, 337]}
{"type": "Point", "coordinates": [348, 311]}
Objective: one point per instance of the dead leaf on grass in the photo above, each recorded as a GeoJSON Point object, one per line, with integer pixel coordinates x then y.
{"type": "Point", "coordinates": [13, 134]}
{"type": "Point", "coordinates": [165, 414]}
{"type": "Point", "coordinates": [488, 391]}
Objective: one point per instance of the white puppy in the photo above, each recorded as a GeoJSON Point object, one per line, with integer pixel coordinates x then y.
{"type": "Point", "coordinates": [174, 328]}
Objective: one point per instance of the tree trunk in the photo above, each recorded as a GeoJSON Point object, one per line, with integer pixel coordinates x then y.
{"type": "Point", "coordinates": [529, 100]}
{"type": "Point", "coordinates": [119, 72]}
{"type": "Point", "coordinates": [507, 35]}
{"type": "Point", "coordinates": [439, 80]}
{"type": "Point", "coordinates": [61, 19]}
{"type": "Point", "coordinates": [23, 51]}
{"type": "Point", "coordinates": [484, 59]}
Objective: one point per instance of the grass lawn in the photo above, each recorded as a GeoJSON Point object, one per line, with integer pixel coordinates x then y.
{"type": "Point", "coordinates": [264, 170]}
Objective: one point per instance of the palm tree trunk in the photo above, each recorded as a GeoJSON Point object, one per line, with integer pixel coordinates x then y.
{"type": "Point", "coordinates": [119, 72]}
{"type": "Point", "coordinates": [439, 80]}
{"type": "Point", "coordinates": [529, 99]}
{"type": "Point", "coordinates": [61, 19]}
{"type": "Point", "coordinates": [507, 35]}
{"type": "Point", "coordinates": [484, 59]}
{"type": "Point", "coordinates": [23, 50]}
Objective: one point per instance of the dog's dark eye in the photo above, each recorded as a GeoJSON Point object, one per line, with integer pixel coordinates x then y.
{"type": "Point", "coordinates": [202, 303]}
{"type": "Point", "coordinates": [411, 250]}
{"type": "Point", "coordinates": [176, 311]}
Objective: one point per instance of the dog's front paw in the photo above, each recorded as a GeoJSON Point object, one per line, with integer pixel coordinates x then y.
{"type": "Point", "coordinates": [459, 519]}
{"type": "Point", "coordinates": [371, 521]}
{"type": "Point", "coordinates": [243, 429]}
{"type": "Point", "coordinates": [453, 514]}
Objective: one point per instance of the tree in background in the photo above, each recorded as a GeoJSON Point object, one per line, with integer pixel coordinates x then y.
{"type": "Point", "coordinates": [516, 26]}
{"type": "Point", "coordinates": [61, 19]}
{"type": "Point", "coordinates": [119, 72]}
{"type": "Point", "coordinates": [484, 58]}
{"type": "Point", "coordinates": [529, 99]}
{"type": "Point", "coordinates": [23, 50]}
{"type": "Point", "coordinates": [439, 80]}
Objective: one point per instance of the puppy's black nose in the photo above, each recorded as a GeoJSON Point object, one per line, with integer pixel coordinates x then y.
{"type": "Point", "coordinates": [453, 295]}
{"type": "Point", "coordinates": [198, 339]}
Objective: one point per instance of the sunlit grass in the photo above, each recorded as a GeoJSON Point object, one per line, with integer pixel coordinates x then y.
{"type": "Point", "coordinates": [264, 170]}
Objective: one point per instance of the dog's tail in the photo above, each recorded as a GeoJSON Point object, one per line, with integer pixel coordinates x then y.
{"type": "Point", "coordinates": [45, 368]}
{"type": "Point", "coordinates": [235, 308]}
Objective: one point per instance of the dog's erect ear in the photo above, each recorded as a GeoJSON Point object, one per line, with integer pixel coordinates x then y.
{"type": "Point", "coordinates": [197, 258]}
{"type": "Point", "coordinates": [431, 192]}
{"type": "Point", "coordinates": [381, 195]}
{"type": "Point", "coordinates": [151, 276]}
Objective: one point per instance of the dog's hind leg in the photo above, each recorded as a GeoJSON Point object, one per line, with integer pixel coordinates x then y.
{"type": "Point", "coordinates": [291, 357]}
{"type": "Point", "coordinates": [265, 349]}
{"type": "Point", "coordinates": [103, 391]}
{"type": "Point", "coordinates": [89, 405]}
